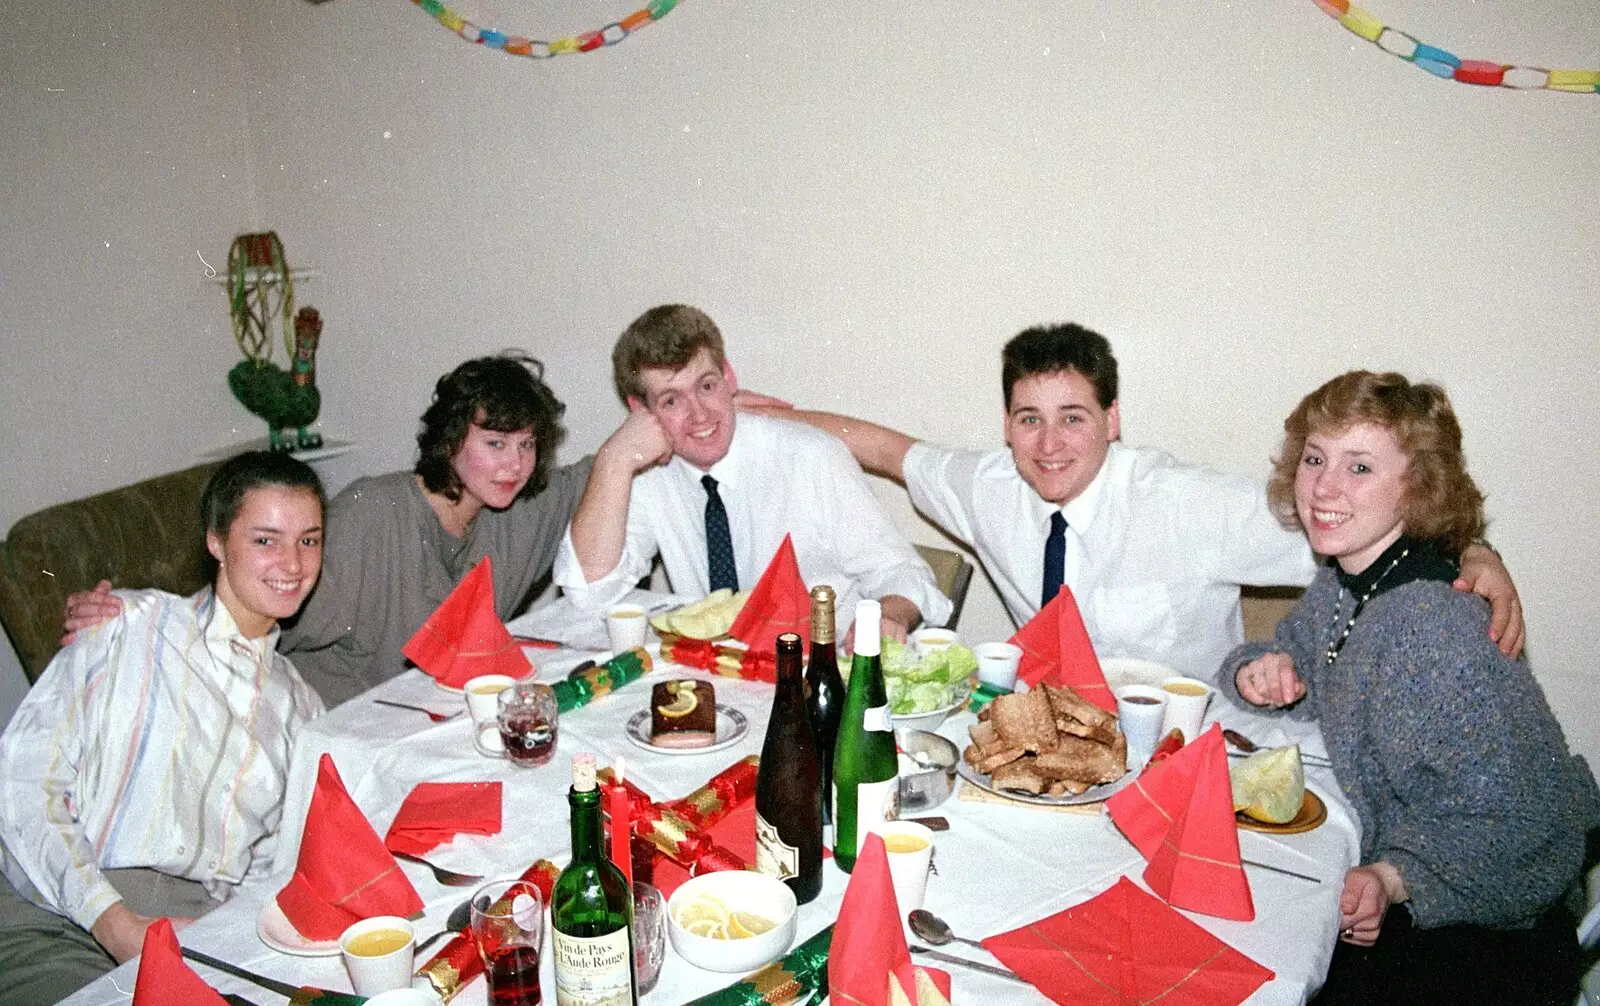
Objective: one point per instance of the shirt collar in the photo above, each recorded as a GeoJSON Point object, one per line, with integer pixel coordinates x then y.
{"type": "Point", "coordinates": [1081, 509]}
{"type": "Point", "coordinates": [1406, 560]}
{"type": "Point", "coordinates": [220, 628]}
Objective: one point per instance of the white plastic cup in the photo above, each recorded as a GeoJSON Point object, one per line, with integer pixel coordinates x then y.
{"type": "Point", "coordinates": [1187, 699]}
{"type": "Point", "coordinates": [909, 847]}
{"type": "Point", "coordinates": [997, 664]}
{"type": "Point", "coordinates": [372, 973]}
{"type": "Point", "coordinates": [929, 641]}
{"type": "Point", "coordinates": [1141, 712]}
{"type": "Point", "coordinates": [483, 695]}
{"type": "Point", "coordinates": [626, 627]}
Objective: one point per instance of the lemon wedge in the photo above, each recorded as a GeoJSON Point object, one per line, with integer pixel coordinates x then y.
{"type": "Point", "coordinates": [745, 924]}
{"type": "Point", "coordinates": [683, 702]}
{"type": "Point", "coordinates": [701, 910]}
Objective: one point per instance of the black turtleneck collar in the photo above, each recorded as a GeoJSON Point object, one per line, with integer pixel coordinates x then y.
{"type": "Point", "coordinates": [1424, 559]}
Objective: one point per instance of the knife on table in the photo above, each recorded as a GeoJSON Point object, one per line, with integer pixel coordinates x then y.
{"type": "Point", "coordinates": [303, 995]}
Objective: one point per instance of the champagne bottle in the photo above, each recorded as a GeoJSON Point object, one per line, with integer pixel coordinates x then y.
{"type": "Point", "coordinates": [789, 785]}
{"type": "Point", "coordinates": [824, 690]}
{"type": "Point", "coordinates": [591, 908]}
{"type": "Point", "coordinates": [866, 782]}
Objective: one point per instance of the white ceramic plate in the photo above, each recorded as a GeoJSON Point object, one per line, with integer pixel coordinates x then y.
{"type": "Point", "coordinates": [1094, 794]}
{"type": "Point", "coordinates": [731, 725]}
{"type": "Point", "coordinates": [277, 932]}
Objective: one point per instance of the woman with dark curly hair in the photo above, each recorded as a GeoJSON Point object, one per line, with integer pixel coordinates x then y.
{"type": "Point", "coordinates": [1473, 812]}
{"type": "Point", "coordinates": [397, 544]}
{"type": "Point", "coordinates": [483, 485]}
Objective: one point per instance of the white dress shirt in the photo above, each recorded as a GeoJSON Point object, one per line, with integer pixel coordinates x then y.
{"type": "Point", "coordinates": [159, 740]}
{"type": "Point", "coordinates": [1156, 549]}
{"type": "Point", "coordinates": [778, 477]}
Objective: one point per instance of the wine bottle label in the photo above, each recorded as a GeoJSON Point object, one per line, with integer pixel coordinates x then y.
{"type": "Point", "coordinates": [876, 802]}
{"type": "Point", "coordinates": [774, 856]}
{"type": "Point", "coordinates": [594, 971]}
{"type": "Point", "coordinates": [877, 718]}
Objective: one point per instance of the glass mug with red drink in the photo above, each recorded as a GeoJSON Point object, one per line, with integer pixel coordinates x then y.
{"type": "Point", "coordinates": [527, 718]}
{"type": "Point", "coordinates": [508, 927]}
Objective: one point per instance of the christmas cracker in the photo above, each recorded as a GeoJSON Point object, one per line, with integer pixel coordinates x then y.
{"type": "Point", "coordinates": [597, 682]}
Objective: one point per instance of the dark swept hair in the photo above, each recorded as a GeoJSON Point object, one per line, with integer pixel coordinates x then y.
{"type": "Point", "coordinates": [1050, 349]}
{"type": "Point", "coordinates": [667, 336]}
{"type": "Point", "coordinates": [505, 393]}
{"type": "Point", "coordinates": [225, 493]}
{"type": "Point", "coordinates": [1440, 501]}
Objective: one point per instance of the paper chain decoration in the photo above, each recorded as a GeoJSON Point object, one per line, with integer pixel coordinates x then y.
{"type": "Point", "coordinates": [1451, 67]}
{"type": "Point", "coordinates": [518, 45]}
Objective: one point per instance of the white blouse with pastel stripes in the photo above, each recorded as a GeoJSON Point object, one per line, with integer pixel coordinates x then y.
{"type": "Point", "coordinates": [159, 740]}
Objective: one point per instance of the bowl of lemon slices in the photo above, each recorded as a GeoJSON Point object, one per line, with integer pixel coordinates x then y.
{"type": "Point", "coordinates": [732, 920]}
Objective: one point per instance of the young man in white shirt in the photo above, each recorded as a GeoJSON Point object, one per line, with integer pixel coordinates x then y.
{"type": "Point", "coordinates": [713, 492]}
{"type": "Point", "coordinates": [1155, 550]}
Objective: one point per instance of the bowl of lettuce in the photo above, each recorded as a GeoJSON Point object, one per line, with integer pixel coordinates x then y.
{"type": "Point", "coordinates": [924, 688]}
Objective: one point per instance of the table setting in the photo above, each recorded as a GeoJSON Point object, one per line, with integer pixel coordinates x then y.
{"type": "Point", "coordinates": [398, 807]}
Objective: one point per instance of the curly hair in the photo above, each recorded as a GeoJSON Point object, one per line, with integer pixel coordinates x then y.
{"type": "Point", "coordinates": [668, 337]}
{"type": "Point", "coordinates": [504, 393]}
{"type": "Point", "coordinates": [1440, 501]}
{"type": "Point", "coordinates": [1050, 349]}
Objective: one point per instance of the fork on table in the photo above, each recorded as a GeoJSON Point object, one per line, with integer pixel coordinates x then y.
{"type": "Point", "coordinates": [448, 878]}
{"type": "Point", "coordinates": [435, 717]}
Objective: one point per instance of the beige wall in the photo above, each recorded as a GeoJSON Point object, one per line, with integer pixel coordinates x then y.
{"type": "Point", "coordinates": [1246, 198]}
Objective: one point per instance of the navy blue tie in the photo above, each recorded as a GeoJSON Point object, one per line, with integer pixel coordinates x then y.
{"type": "Point", "coordinates": [1055, 559]}
{"type": "Point", "coordinates": [719, 541]}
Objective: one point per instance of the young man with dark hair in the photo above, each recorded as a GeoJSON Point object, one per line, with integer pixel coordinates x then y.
{"type": "Point", "coordinates": [1155, 550]}
{"type": "Point", "coordinates": [713, 493]}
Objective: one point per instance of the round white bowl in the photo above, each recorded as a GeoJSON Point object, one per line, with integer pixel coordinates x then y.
{"type": "Point", "coordinates": [740, 890]}
{"type": "Point", "coordinates": [930, 720]}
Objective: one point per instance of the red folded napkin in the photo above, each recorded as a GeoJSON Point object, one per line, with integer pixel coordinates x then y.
{"type": "Point", "coordinates": [344, 873]}
{"type": "Point", "coordinates": [164, 978]}
{"type": "Point", "coordinates": [1056, 648]}
{"type": "Point", "coordinates": [464, 636]}
{"type": "Point", "coordinates": [868, 961]}
{"type": "Point", "coordinates": [1124, 946]}
{"type": "Point", "coordinates": [1186, 804]}
{"type": "Point", "coordinates": [779, 603]}
{"type": "Point", "coordinates": [435, 812]}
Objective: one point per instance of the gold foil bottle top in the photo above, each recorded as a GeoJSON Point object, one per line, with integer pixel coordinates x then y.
{"type": "Point", "coordinates": [822, 601]}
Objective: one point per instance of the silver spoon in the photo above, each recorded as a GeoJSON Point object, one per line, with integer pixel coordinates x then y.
{"type": "Point", "coordinates": [1249, 747]}
{"type": "Point", "coordinates": [936, 931]}
{"type": "Point", "coordinates": [989, 969]}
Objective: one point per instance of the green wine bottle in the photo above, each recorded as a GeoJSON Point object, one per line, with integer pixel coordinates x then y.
{"type": "Point", "coordinates": [866, 780]}
{"type": "Point", "coordinates": [591, 909]}
{"type": "Point", "coordinates": [789, 785]}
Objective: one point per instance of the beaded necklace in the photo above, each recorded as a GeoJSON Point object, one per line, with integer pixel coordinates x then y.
{"type": "Point", "coordinates": [1335, 645]}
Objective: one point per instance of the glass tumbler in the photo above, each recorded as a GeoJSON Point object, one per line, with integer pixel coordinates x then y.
{"type": "Point", "coordinates": [508, 927]}
{"type": "Point", "coordinates": [528, 723]}
{"type": "Point", "coordinates": [649, 935]}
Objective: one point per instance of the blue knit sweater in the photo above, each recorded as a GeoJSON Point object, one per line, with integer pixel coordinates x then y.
{"type": "Point", "coordinates": [1446, 748]}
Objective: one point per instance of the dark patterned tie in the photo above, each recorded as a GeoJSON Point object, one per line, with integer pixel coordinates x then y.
{"type": "Point", "coordinates": [719, 542]}
{"type": "Point", "coordinates": [1055, 558]}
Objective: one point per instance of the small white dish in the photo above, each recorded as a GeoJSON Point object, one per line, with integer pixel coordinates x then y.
{"type": "Point", "coordinates": [931, 719]}
{"type": "Point", "coordinates": [277, 932]}
{"type": "Point", "coordinates": [738, 890]}
{"type": "Point", "coordinates": [731, 727]}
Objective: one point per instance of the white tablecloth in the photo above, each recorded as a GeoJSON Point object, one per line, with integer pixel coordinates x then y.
{"type": "Point", "coordinates": [998, 867]}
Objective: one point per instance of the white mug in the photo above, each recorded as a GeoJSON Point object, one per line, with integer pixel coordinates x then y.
{"type": "Point", "coordinates": [378, 954]}
{"type": "Point", "coordinates": [626, 627]}
{"type": "Point", "coordinates": [909, 847]}
{"type": "Point", "coordinates": [997, 664]}
{"type": "Point", "coordinates": [1141, 713]}
{"type": "Point", "coordinates": [1187, 699]}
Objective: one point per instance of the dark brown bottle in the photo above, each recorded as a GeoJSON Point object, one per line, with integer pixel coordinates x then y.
{"type": "Point", "coordinates": [824, 689]}
{"type": "Point", "coordinates": [789, 785]}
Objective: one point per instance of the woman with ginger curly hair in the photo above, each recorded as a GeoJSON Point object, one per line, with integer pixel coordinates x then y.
{"type": "Point", "coordinates": [1473, 813]}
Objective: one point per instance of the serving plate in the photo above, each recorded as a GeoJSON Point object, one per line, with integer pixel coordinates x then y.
{"type": "Point", "coordinates": [1094, 794]}
{"type": "Point", "coordinates": [731, 728]}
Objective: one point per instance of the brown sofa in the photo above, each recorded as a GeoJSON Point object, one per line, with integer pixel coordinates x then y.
{"type": "Point", "coordinates": [145, 535]}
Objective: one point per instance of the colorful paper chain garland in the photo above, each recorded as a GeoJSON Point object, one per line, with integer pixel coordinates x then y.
{"type": "Point", "coordinates": [517, 45]}
{"type": "Point", "coordinates": [1451, 67]}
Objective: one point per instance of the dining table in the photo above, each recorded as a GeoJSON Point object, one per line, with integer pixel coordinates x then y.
{"type": "Point", "coordinates": [997, 867]}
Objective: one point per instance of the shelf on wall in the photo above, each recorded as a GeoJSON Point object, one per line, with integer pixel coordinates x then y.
{"type": "Point", "coordinates": [310, 455]}
{"type": "Point", "coordinates": [262, 274]}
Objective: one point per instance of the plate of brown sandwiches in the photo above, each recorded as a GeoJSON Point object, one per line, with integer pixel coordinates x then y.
{"type": "Point", "coordinates": [1048, 746]}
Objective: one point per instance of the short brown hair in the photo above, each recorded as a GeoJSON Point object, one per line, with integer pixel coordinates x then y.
{"type": "Point", "coordinates": [1440, 500]}
{"type": "Point", "coordinates": [1051, 349]}
{"type": "Point", "coordinates": [667, 337]}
